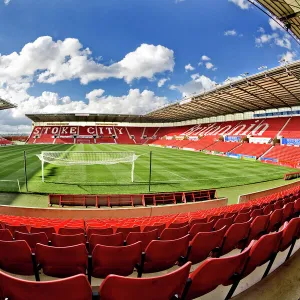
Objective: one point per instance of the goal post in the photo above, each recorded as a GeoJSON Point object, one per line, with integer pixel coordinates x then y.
{"type": "Point", "coordinates": [85, 158]}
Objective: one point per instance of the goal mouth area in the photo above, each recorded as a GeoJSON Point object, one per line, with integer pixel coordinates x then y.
{"type": "Point", "coordinates": [87, 158]}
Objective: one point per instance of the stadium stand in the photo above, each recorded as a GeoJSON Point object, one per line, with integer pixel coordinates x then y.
{"type": "Point", "coordinates": [124, 258]}
{"type": "Point", "coordinates": [292, 129]}
{"type": "Point", "coordinates": [252, 150]}
{"type": "Point", "coordinates": [222, 147]}
{"type": "Point", "coordinates": [5, 142]}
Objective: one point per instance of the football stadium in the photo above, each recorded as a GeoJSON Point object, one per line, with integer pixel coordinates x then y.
{"type": "Point", "coordinates": [197, 198]}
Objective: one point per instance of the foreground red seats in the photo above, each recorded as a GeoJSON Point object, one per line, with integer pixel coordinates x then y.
{"type": "Point", "coordinates": [174, 233]}
{"type": "Point", "coordinates": [178, 224]}
{"type": "Point", "coordinates": [204, 243]}
{"type": "Point", "coordinates": [62, 261]}
{"type": "Point", "coordinates": [275, 220]}
{"type": "Point", "coordinates": [106, 260]}
{"type": "Point", "coordinates": [61, 240]}
{"type": "Point", "coordinates": [127, 230]}
{"type": "Point", "coordinates": [223, 222]}
{"type": "Point", "coordinates": [5, 235]}
{"type": "Point", "coordinates": [76, 287]}
{"type": "Point", "coordinates": [32, 238]}
{"type": "Point", "coordinates": [164, 287]}
{"type": "Point", "coordinates": [162, 255]}
{"type": "Point", "coordinates": [258, 227]}
{"type": "Point", "coordinates": [201, 227]}
{"type": "Point", "coordinates": [144, 237]}
{"type": "Point", "coordinates": [213, 272]}
{"type": "Point", "coordinates": [16, 258]}
{"type": "Point", "coordinates": [106, 240]}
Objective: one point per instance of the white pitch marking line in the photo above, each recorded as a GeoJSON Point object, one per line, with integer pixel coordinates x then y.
{"type": "Point", "coordinates": [185, 179]}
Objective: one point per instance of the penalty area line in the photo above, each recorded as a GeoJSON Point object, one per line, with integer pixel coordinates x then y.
{"type": "Point", "coordinates": [184, 179]}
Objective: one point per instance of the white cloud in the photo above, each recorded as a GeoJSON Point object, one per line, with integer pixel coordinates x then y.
{"type": "Point", "coordinates": [274, 25]}
{"type": "Point", "coordinates": [189, 67]}
{"type": "Point", "coordinates": [162, 82]}
{"type": "Point", "coordinates": [198, 84]}
{"type": "Point", "coordinates": [6, 2]}
{"type": "Point", "coordinates": [178, 1]}
{"type": "Point", "coordinates": [281, 41]}
{"type": "Point", "coordinates": [209, 65]}
{"type": "Point", "coordinates": [288, 57]}
{"type": "Point", "coordinates": [243, 4]}
{"type": "Point", "coordinates": [204, 57]}
{"type": "Point", "coordinates": [261, 30]}
{"type": "Point", "coordinates": [230, 32]}
{"type": "Point", "coordinates": [52, 61]}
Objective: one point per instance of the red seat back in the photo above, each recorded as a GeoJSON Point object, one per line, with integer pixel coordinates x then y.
{"type": "Point", "coordinates": [235, 234]}
{"type": "Point", "coordinates": [201, 227]}
{"type": "Point", "coordinates": [15, 257]}
{"type": "Point", "coordinates": [161, 255]}
{"type": "Point", "coordinates": [178, 224]}
{"type": "Point", "coordinates": [127, 230]}
{"type": "Point", "coordinates": [258, 227]}
{"type": "Point", "coordinates": [14, 288]}
{"type": "Point", "coordinates": [267, 209]}
{"type": "Point", "coordinates": [204, 243]}
{"type": "Point", "coordinates": [100, 231]}
{"type": "Point", "coordinates": [62, 261]}
{"type": "Point", "coordinates": [223, 222]}
{"type": "Point", "coordinates": [5, 235]}
{"type": "Point", "coordinates": [214, 272]}
{"type": "Point", "coordinates": [256, 212]}
{"type": "Point", "coordinates": [290, 231]}
{"type": "Point", "coordinates": [242, 217]}
{"type": "Point", "coordinates": [159, 288]}
{"type": "Point", "coordinates": [32, 238]}
{"type": "Point", "coordinates": [262, 251]}
{"type": "Point", "coordinates": [115, 260]}
{"type": "Point", "coordinates": [275, 219]}
{"type": "Point", "coordinates": [174, 233]}
{"type": "Point", "coordinates": [61, 240]}
{"type": "Point", "coordinates": [14, 228]}
{"type": "Point", "coordinates": [70, 230]}
{"type": "Point", "coordinates": [106, 240]}
{"type": "Point", "coordinates": [197, 221]}
{"type": "Point", "coordinates": [297, 206]}
{"type": "Point", "coordinates": [144, 237]}
{"type": "Point", "coordinates": [288, 211]}
{"type": "Point", "coordinates": [47, 230]}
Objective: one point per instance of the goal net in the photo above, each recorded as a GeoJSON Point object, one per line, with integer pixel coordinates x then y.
{"type": "Point", "coordinates": [85, 158]}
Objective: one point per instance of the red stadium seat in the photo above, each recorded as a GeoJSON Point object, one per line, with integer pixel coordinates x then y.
{"type": "Point", "coordinates": [256, 212]}
{"type": "Point", "coordinates": [108, 260]}
{"type": "Point", "coordinates": [159, 227]}
{"type": "Point", "coordinates": [174, 233]}
{"type": "Point", "coordinates": [258, 227]}
{"type": "Point", "coordinates": [297, 207]}
{"type": "Point", "coordinates": [14, 228]}
{"type": "Point", "coordinates": [61, 240]}
{"type": "Point", "coordinates": [267, 209]}
{"type": "Point", "coordinates": [288, 211]}
{"type": "Point", "coordinates": [201, 227]}
{"type": "Point", "coordinates": [204, 243]}
{"type": "Point", "coordinates": [237, 233]}
{"type": "Point", "coordinates": [70, 231]}
{"type": "Point", "coordinates": [275, 220]}
{"type": "Point", "coordinates": [106, 240]}
{"type": "Point", "coordinates": [32, 238]}
{"type": "Point", "coordinates": [127, 230]}
{"type": "Point", "coordinates": [100, 231]}
{"type": "Point", "coordinates": [13, 288]}
{"type": "Point", "coordinates": [223, 222]}
{"type": "Point", "coordinates": [214, 272]}
{"type": "Point", "coordinates": [47, 230]}
{"type": "Point", "coordinates": [169, 286]}
{"type": "Point", "coordinates": [5, 235]}
{"type": "Point", "coordinates": [16, 258]}
{"type": "Point", "coordinates": [62, 261]}
{"type": "Point", "coordinates": [197, 221]}
{"type": "Point", "coordinates": [262, 251]}
{"type": "Point", "coordinates": [144, 237]}
{"type": "Point", "coordinates": [242, 217]}
{"type": "Point", "coordinates": [162, 255]}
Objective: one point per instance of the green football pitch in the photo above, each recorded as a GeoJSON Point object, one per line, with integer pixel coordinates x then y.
{"type": "Point", "coordinates": [172, 170]}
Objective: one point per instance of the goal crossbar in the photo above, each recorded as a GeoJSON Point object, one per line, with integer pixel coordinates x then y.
{"type": "Point", "coordinates": [84, 158]}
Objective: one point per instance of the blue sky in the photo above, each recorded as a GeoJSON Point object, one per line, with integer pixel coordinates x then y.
{"type": "Point", "coordinates": [130, 56]}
